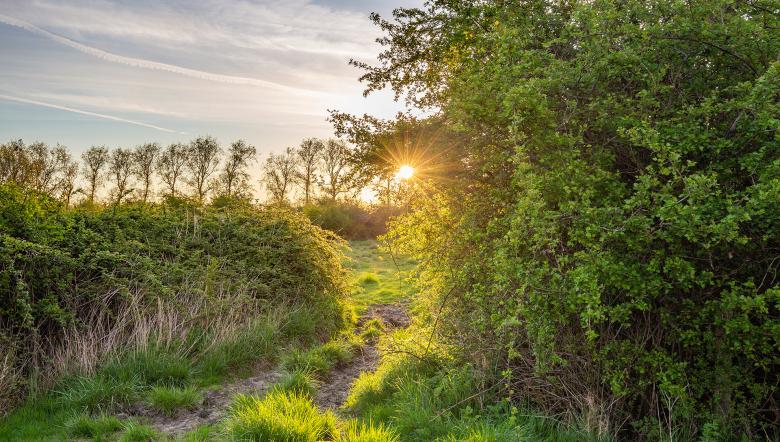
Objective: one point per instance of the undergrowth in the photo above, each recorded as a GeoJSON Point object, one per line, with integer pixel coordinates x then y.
{"type": "Point", "coordinates": [167, 378]}
{"type": "Point", "coordinates": [429, 396]}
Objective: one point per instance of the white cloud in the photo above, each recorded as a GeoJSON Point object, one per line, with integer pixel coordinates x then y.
{"type": "Point", "coordinates": [148, 64]}
{"type": "Point", "coordinates": [83, 112]}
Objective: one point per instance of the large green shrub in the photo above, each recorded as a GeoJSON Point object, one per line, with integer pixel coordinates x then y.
{"type": "Point", "coordinates": [613, 244]}
{"type": "Point", "coordinates": [61, 269]}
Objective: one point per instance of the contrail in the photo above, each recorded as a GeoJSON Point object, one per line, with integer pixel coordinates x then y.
{"type": "Point", "coordinates": [148, 64]}
{"type": "Point", "coordinates": [83, 112]}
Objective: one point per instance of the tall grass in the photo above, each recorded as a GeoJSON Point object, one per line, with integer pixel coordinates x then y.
{"type": "Point", "coordinates": [165, 373]}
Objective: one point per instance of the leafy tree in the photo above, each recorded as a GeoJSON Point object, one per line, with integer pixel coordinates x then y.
{"type": "Point", "coordinates": [95, 159]}
{"type": "Point", "coordinates": [610, 243]}
{"type": "Point", "coordinates": [120, 167]}
{"type": "Point", "coordinates": [43, 166]}
{"type": "Point", "coordinates": [67, 185]}
{"type": "Point", "coordinates": [144, 160]}
{"type": "Point", "coordinates": [170, 165]}
{"type": "Point", "coordinates": [14, 162]}
{"type": "Point", "coordinates": [202, 161]}
{"type": "Point", "coordinates": [279, 173]}
{"type": "Point", "coordinates": [336, 176]}
{"type": "Point", "coordinates": [234, 178]}
{"type": "Point", "coordinates": [309, 153]}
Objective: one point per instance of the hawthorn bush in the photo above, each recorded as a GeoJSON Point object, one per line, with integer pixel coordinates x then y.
{"type": "Point", "coordinates": [611, 245]}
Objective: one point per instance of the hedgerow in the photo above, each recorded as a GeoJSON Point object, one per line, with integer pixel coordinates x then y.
{"type": "Point", "coordinates": [170, 273]}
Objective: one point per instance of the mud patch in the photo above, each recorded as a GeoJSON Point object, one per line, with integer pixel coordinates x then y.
{"type": "Point", "coordinates": [391, 315]}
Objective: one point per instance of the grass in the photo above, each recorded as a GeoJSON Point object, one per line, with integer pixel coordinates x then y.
{"type": "Point", "coordinates": [202, 434]}
{"type": "Point", "coordinates": [239, 353]}
{"type": "Point", "coordinates": [356, 431]}
{"type": "Point", "coordinates": [153, 366]}
{"type": "Point", "coordinates": [135, 432]}
{"type": "Point", "coordinates": [300, 382]}
{"type": "Point", "coordinates": [166, 377]}
{"type": "Point", "coordinates": [288, 416]}
{"type": "Point", "coordinates": [372, 329]}
{"type": "Point", "coordinates": [105, 427]}
{"type": "Point", "coordinates": [96, 428]}
{"type": "Point", "coordinates": [430, 399]}
{"type": "Point", "coordinates": [320, 360]}
{"type": "Point", "coordinates": [99, 392]}
{"type": "Point", "coordinates": [377, 277]}
{"type": "Point", "coordinates": [169, 400]}
{"type": "Point", "coordinates": [280, 417]}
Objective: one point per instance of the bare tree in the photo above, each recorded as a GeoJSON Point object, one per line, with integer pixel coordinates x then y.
{"type": "Point", "coordinates": [279, 172]}
{"type": "Point", "coordinates": [337, 177]}
{"type": "Point", "coordinates": [95, 159]}
{"type": "Point", "coordinates": [202, 160]}
{"type": "Point", "coordinates": [308, 154]}
{"type": "Point", "coordinates": [234, 178]}
{"type": "Point", "coordinates": [170, 165]}
{"type": "Point", "coordinates": [144, 157]}
{"type": "Point", "coordinates": [120, 166]}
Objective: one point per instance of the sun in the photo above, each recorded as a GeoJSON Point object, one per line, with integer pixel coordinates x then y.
{"type": "Point", "coordinates": [405, 172]}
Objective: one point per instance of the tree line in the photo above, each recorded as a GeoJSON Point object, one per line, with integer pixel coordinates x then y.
{"type": "Point", "coordinates": [200, 169]}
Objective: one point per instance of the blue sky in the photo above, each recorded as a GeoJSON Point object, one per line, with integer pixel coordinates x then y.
{"type": "Point", "coordinates": [119, 73]}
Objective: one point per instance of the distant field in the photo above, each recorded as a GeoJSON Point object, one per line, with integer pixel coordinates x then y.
{"type": "Point", "coordinates": [377, 277]}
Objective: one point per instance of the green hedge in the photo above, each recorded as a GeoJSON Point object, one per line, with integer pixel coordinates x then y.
{"type": "Point", "coordinates": [613, 246]}
{"type": "Point", "coordinates": [58, 267]}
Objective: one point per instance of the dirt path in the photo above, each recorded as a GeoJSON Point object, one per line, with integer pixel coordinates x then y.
{"type": "Point", "coordinates": [334, 391]}
{"type": "Point", "coordinates": [212, 409]}
{"type": "Point", "coordinates": [330, 395]}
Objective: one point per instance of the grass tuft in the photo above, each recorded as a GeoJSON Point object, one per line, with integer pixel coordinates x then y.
{"type": "Point", "coordinates": [135, 432]}
{"type": "Point", "coordinates": [99, 392]}
{"type": "Point", "coordinates": [280, 417]}
{"type": "Point", "coordinates": [372, 329]}
{"type": "Point", "coordinates": [151, 367]}
{"type": "Point", "coordinates": [205, 433]}
{"type": "Point", "coordinates": [300, 382]}
{"type": "Point", "coordinates": [355, 431]}
{"type": "Point", "coordinates": [169, 400]}
{"type": "Point", "coordinates": [320, 360]}
{"type": "Point", "coordinates": [96, 428]}
{"type": "Point", "coordinates": [367, 278]}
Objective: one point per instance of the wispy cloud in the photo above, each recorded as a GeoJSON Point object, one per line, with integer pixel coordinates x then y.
{"type": "Point", "coordinates": [231, 68]}
{"type": "Point", "coordinates": [83, 112]}
{"type": "Point", "coordinates": [148, 64]}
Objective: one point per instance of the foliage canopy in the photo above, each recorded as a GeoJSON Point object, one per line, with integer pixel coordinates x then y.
{"type": "Point", "coordinates": [612, 242]}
